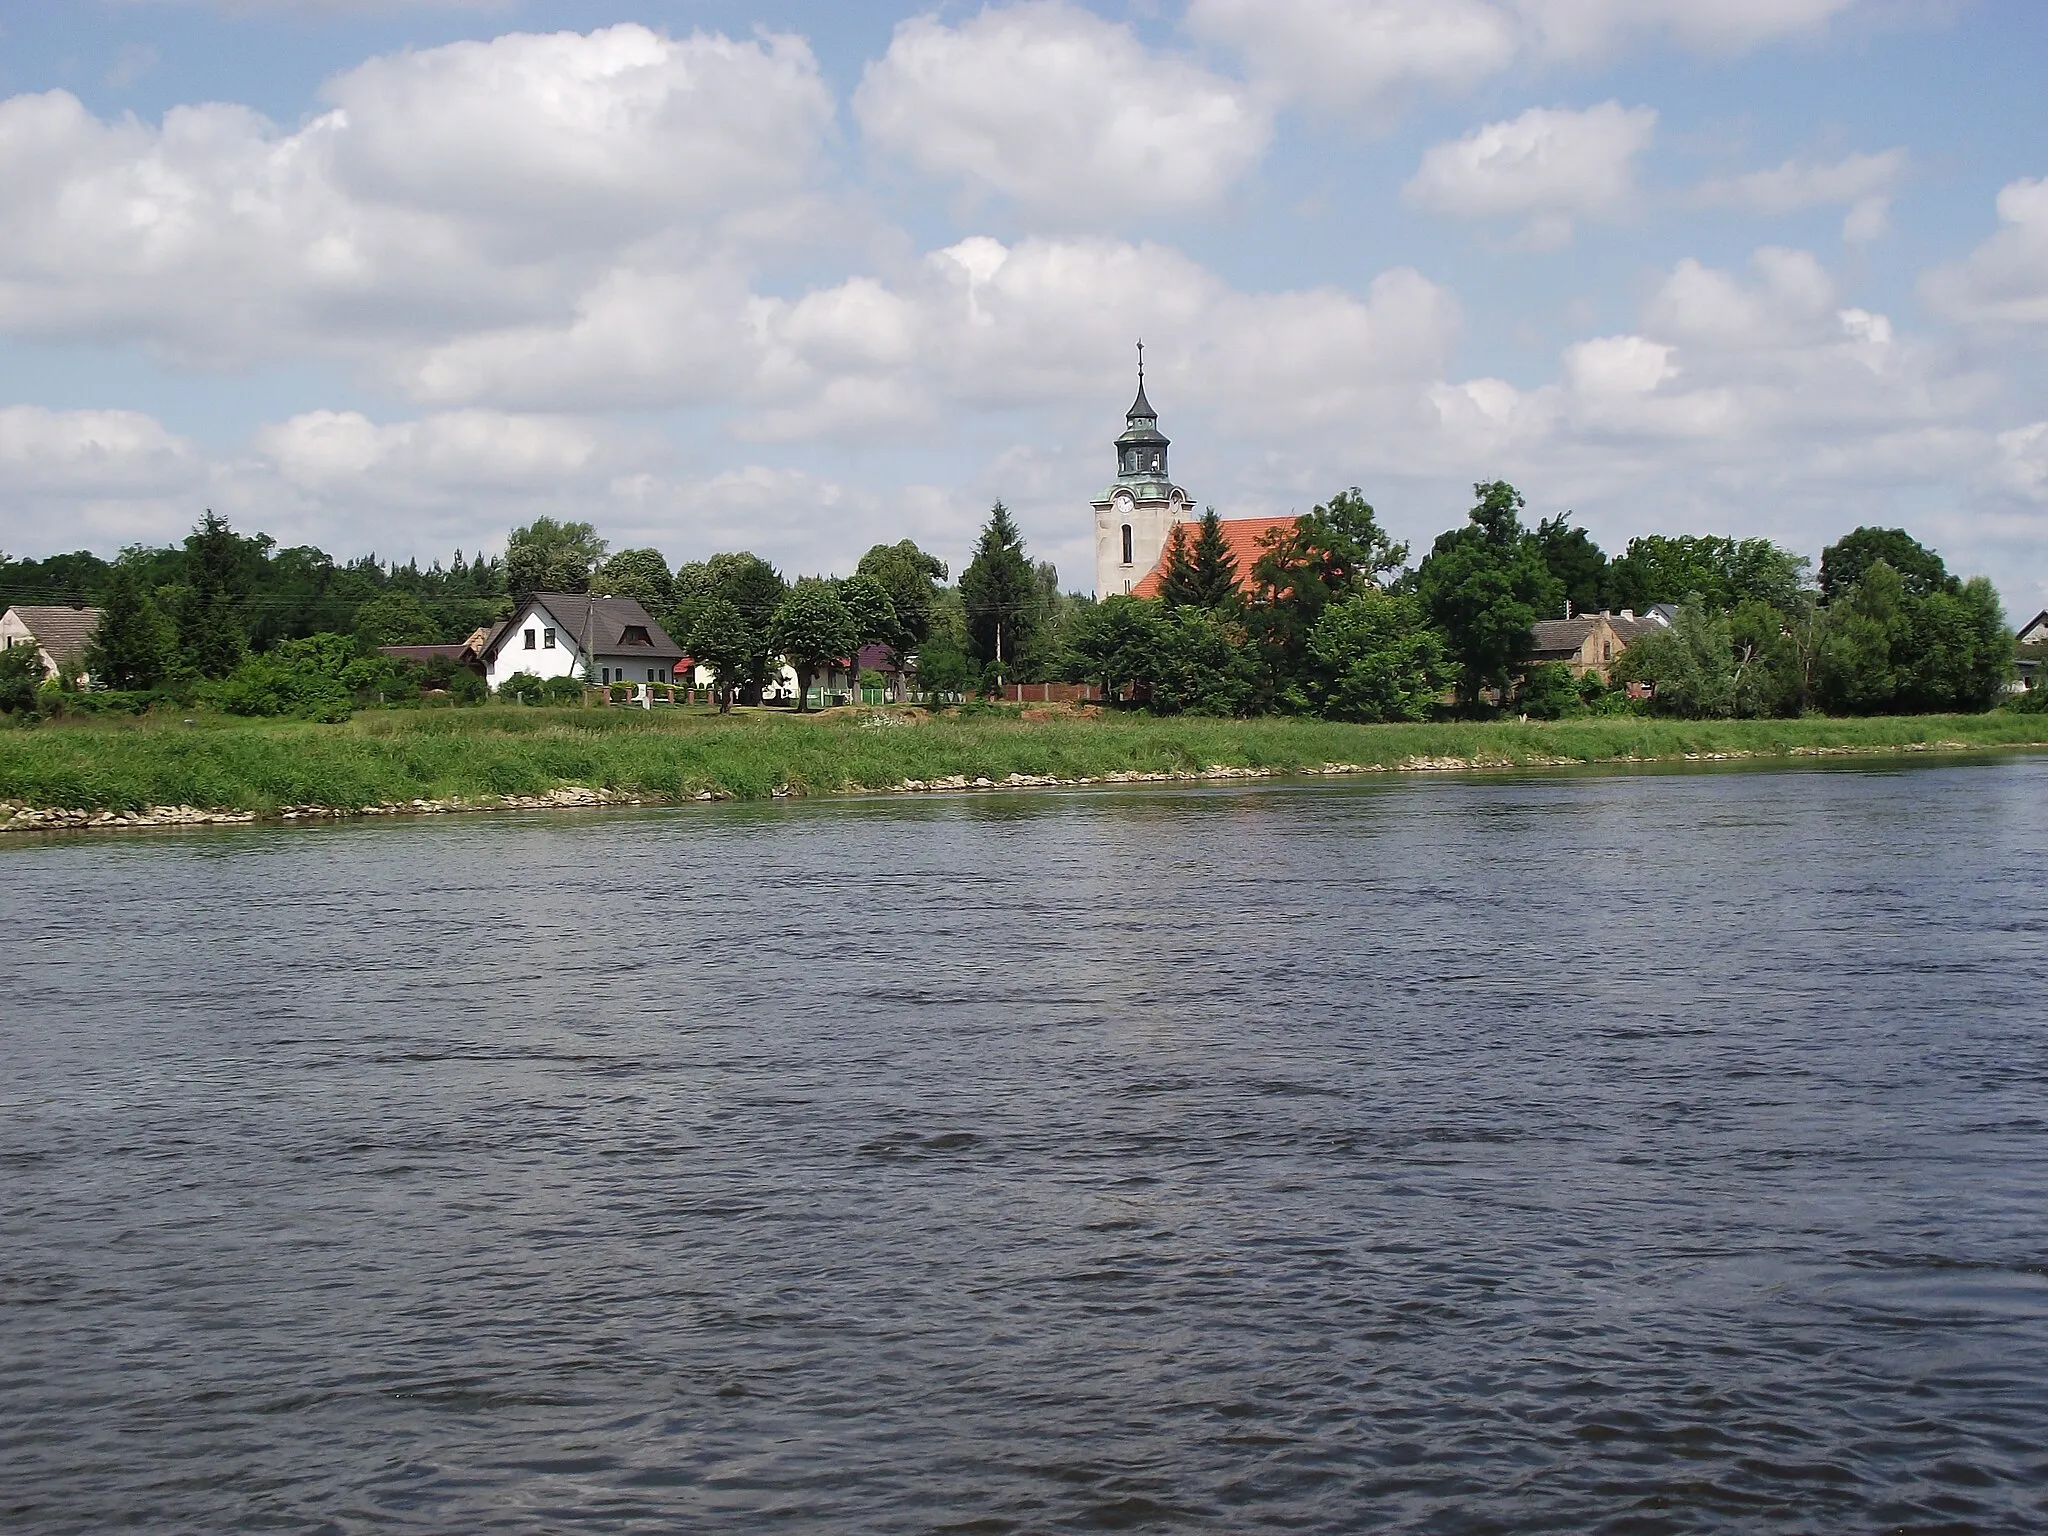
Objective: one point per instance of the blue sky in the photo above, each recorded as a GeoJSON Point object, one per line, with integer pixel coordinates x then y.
{"type": "Point", "coordinates": [798, 277]}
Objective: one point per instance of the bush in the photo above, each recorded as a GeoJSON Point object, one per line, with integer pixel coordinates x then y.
{"type": "Point", "coordinates": [317, 678]}
{"type": "Point", "coordinates": [21, 669]}
{"type": "Point", "coordinates": [2033, 702]}
{"type": "Point", "coordinates": [521, 688]}
{"type": "Point", "coordinates": [1550, 692]}
{"type": "Point", "coordinates": [562, 690]}
{"type": "Point", "coordinates": [620, 693]}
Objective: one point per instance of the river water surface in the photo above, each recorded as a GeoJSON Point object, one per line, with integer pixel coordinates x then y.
{"type": "Point", "coordinates": [1585, 1152]}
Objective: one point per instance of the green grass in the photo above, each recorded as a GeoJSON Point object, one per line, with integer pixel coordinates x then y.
{"type": "Point", "coordinates": [403, 755]}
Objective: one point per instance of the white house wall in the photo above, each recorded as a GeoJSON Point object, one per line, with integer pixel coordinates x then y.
{"type": "Point", "coordinates": [563, 660]}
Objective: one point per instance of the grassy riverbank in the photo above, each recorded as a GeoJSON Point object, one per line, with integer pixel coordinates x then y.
{"type": "Point", "coordinates": [404, 756]}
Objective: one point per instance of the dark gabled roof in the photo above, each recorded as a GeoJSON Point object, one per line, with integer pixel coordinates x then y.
{"type": "Point", "coordinates": [1559, 637]}
{"type": "Point", "coordinates": [1563, 637]}
{"type": "Point", "coordinates": [597, 624]}
{"type": "Point", "coordinates": [63, 632]}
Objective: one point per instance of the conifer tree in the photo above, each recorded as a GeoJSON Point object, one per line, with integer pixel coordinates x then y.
{"type": "Point", "coordinates": [1200, 571]}
{"type": "Point", "coordinates": [133, 646]}
{"type": "Point", "coordinates": [999, 589]}
{"type": "Point", "coordinates": [211, 640]}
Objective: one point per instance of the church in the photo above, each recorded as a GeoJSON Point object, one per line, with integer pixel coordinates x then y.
{"type": "Point", "coordinates": [1143, 510]}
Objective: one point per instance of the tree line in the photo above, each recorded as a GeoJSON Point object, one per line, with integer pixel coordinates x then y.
{"type": "Point", "coordinates": [1331, 620]}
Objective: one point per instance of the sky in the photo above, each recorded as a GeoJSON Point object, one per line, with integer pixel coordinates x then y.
{"type": "Point", "coordinates": [799, 276]}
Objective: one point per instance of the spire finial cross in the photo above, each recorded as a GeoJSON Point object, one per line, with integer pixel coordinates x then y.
{"type": "Point", "coordinates": [1141, 362]}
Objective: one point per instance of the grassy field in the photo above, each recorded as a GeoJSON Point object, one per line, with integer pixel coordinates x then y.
{"type": "Point", "coordinates": [405, 755]}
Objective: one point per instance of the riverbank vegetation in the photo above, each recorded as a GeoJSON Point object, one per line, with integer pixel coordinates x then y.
{"type": "Point", "coordinates": [383, 757]}
{"type": "Point", "coordinates": [1329, 621]}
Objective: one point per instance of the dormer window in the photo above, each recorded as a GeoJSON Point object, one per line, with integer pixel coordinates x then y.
{"type": "Point", "coordinates": [636, 634]}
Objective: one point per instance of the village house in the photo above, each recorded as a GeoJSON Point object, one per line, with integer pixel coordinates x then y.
{"type": "Point", "coordinates": [575, 634]}
{"type": "Point", "coordinates": [61, 637]}
{"type": "Point", "coordinates": [1589, 642]}
{"type": "Point", "coordinates": [2030, 649]}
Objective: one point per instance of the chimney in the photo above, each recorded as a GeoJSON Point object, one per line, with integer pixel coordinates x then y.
{"type": "Point", "coordinates": [1628, 613]}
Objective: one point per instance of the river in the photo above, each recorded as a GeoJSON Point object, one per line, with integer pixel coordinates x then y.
{"type": "Point", "coordinates": [1603, 1151]}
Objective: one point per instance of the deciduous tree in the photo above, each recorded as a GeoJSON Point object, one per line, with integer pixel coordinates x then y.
{"type": "Point", "coordinates": [812, 629]}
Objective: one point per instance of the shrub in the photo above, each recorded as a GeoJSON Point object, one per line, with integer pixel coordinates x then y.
{"type": "Point", "coordinates": [521, 687]}
{"type": "Point", "coordinates": [620, 693]}
{"type": "Point", "coordinates": [562, 690]}
{"type": "Point", "coordinates": [21, 669]}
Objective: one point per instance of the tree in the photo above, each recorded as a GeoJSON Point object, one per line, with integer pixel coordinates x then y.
{"type": "Point", "coordinates": [1579, 564]}
{"type": "Point", "coordinates": [211, 640]}
{"type": "Point", "coordinates": [724, 641]}
{"type": "Point", "coordinates": [911, 578]}
{"type": "Point", "coordinates": [396, 618]}
{"type": "Point", "coordinates": [871, 614]}
{"type": "Point", "coordinates": [1690, 666]}
{"type": "Point", "coordinates": [135, 646]}
{"type": "Point", "coordinates": [1920, 570]}
{"type": "Point", "coordinates": [1111, 642]}
{"type": "Point", "coordinates": [1720, 571]}
{"type": "Point", "coordinates": [21, 673]}
{"type": "Point", "coordinates": [1326, 555]}
{"type": "Point", "coordinates": [812, 629]}
{"type": "Point", "coordinates": [998, 589]}
{"type": "Point", "coordinates": [1485, 585]}
{"type": "Point", "coordinates": [753, 588]}
{"type": "Point", "coordinates": [1374, 657]}
{"type": "Point", "coordinates": [1200, 571]}
{"type": "Point", "coordinates": [1885, 648]}
{"type": "Point", "coordinates": [641, 574]}
{"type": "Point", "coordinates": [1196, 663]}
{"type": "Point", "coordinates": [547, 556]}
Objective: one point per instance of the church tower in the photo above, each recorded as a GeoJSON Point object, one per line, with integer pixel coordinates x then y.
{"type": "Point", "coordinates": [1134, 516]}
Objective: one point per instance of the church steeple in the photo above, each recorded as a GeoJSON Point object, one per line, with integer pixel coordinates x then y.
{"type": "Point", "coordinates": [1141, 451]}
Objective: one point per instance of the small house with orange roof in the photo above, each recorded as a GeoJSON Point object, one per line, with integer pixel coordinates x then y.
{"type": "Point", "coordinates": [1245, 537]}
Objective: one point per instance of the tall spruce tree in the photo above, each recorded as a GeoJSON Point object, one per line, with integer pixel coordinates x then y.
{"type": "Point", "coordinates": [211, 639]}
{"type": "Point", "coordinates": [134, 645]}
{"type": "Point", "coordinates": [1200, 571]}
{"type": "Point", "coordinates": [999, 590]}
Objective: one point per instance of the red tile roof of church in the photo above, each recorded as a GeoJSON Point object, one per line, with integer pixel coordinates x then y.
{"type": "Point", "coordinates": [1242, 536]}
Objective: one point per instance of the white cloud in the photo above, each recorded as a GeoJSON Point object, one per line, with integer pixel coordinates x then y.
{"type": "Point", "coordinates": [2005, 280]}
{"type": "Point", "coordinates": [1589, 28]}
{"type": "Point", "coordinates": [1343, 55]}
{"type": "Point", "coordinates": [1550, 166]}
{"type": "Point", "coordinates": [93, 453]}
{"type": "Point", "coordinates": [448, 190]}
{"type": "Point", "coordinates": [1865, 184]}
{"type": "Point", "coordinates": [1069, 115]}
{"type": "Point", "coordinates": [1358, 56]}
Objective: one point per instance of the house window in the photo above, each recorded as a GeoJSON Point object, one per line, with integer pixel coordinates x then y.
{"type": "Point", "coordinates": [1607, 650]}
{"type": "Point", "coordinates": [529, 639]}
{"type": "Point", "coordinates": [650, 674]}
{"type": "Point", "coordinates": [636, 634]}
{"type": "Point", "coordinates": [1127, 543]}
{"type": "Point", "coordinates": [607, 674]}
{"type": "Point", "coordinates": [547, 639]}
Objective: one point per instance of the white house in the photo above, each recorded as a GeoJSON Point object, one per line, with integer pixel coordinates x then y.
{"type": "Point", "coordinates": [60, 636]}
{"type": "Point", "coordinates": [573, 634]}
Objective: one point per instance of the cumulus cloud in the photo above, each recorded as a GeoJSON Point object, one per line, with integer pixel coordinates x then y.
{"type": "Point", "coordinates": [2004, 283]}
{"type": "Point", "coordinates": [1358, 56]}
{"type": "Point", "coordinates": [1550, 167]}
{"type": "Point", "coordinates": [447, 190]}
{"type": "Point", "coordinates": [1865, 184]}
{"type": "Point", "coordinates": [1067, 114]}
{"type": "Point", "coordinates": [1349, 54]}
